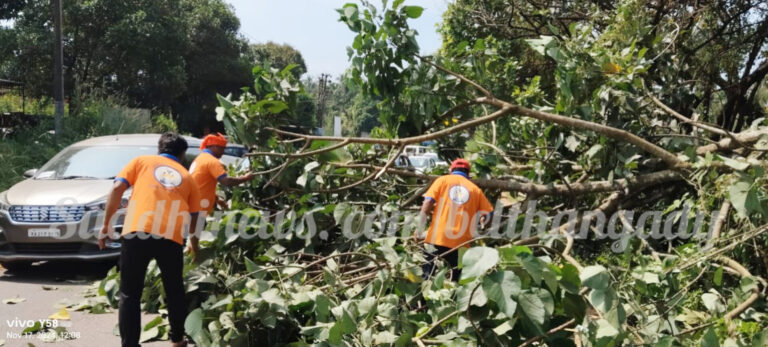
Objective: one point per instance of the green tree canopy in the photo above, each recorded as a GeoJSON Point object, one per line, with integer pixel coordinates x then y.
{"type": "Point", "coordinates": [279, 56]}
{"type": "Point", "coordinates": [173, 55]}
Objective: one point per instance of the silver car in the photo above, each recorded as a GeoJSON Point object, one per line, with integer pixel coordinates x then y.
{"type": "Point", "coordinates": [57, 212]}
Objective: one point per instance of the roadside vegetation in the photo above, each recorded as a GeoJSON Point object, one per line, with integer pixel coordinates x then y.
{"type": "Point", "coordinates": [588, 107]}
{"type": "Point", "coordinates": [30, 146]}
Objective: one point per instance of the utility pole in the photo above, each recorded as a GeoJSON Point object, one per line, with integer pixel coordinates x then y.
{"type": "Point", "coordinates": [322, 97]}
{"type": "Point", "coordinates": [58, 78]}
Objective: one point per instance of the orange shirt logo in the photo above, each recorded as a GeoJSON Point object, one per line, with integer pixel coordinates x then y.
{"type": "Point", "coordinates": [168, 176]}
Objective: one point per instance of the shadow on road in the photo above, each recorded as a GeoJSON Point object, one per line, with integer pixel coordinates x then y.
{"type": "Point", "coordinates": [58, 273]}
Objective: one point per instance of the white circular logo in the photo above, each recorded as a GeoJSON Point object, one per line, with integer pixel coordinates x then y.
{"type": "Point", "coordinates": [459, 194]}
{"type": "Point", "coordinates": [168, 176]}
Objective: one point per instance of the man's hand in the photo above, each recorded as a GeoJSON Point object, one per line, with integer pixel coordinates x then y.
{"type": "Point", "coordinates": [103, 235]}
{"type": "Point", "coordinates": [248, 176]}
{"type": "Point", "coordinates": [193, 248]}
{"type": "Point", "coordinates": [190, 251]}
{"type": "Point", "coordinates": [222, 204]}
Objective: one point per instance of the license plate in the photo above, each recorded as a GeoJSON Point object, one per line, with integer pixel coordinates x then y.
{"type": "Point", "coordinates": [44, 233]}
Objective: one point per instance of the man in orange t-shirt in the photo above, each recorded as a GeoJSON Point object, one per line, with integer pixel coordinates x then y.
{"type": "Point", "coordinates": [165, 200]}
{"type": "Point", "coordinates": [460, 206]}
{"type": "Point", "coordinates": [208, 171]}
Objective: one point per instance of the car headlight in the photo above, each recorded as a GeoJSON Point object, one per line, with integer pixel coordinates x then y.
{"type": "Point", "coordinates": [4, 205]}
{"type": "Point", "coordinates": [101, 205]}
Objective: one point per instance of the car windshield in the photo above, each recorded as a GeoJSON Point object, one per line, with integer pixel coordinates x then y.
{"type": "Point", "coordinates": [103, 162]}
{"type": "Point", "coordinates": [235, 151]}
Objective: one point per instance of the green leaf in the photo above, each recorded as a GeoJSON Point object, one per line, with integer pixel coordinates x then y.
{"type": "Point", "coordinates": [747, 284]}
{"type": "Point", "coordinates": [250, 266]}
{"type": "Point", "coordinates": [710, 339]}
{"type": "Point", "coordinates": [603, 300]}
{"type": "Point", "coordinates": [33, 329]}
{"type": "Point", "coordinates": [148, 335]}
{"type": "Point", "coordinates": [413, 11]}
{"type": "Point", "coordinates": [712, 302]}
{"type": "Point", "coordinates": [666, 341]}
{"type": "Point", "coordinates": [595, 277]}
{"type": "Point", "coordinates": [311, 166]}
{"type": "Point", "coordinates": [153, 323]}
{"type": "Point", "coordinates": [737, 165]}
{"type": "Point", "coordinates": [541, 44]}
{"type": "Point", "coordinates": [718, 279]}
{"type": "Point", "coordinates": [593, 150]}
{"type": "Point", "coordinates": [477, 261]}
{"type": "Point", "coordinates": [534, 266]}
{"type": "Point", "coordinates": [533, 308]}
{"type": "Point", "coordinates": [570, 278]}
{"type": "Point", "coordinates": [276, 107]}
{"type": "Point", "coordinates": [605, 329]}
{"type": "Point", "coordinates": [575, 306]}
{"type": "Point", "coordinates": [505, 327]}
{"type": "Point", "coordinates": [500, 287]}
{"type": "Point", "coordinates": [744, 198]}
{"type": "Point", "coordinates": [350, 10]}
{"type": "Point", "coordinates": [193, 325]}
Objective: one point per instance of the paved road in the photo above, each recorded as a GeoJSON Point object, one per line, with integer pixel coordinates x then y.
{"type": "Point", "coordinates": [70, 280]}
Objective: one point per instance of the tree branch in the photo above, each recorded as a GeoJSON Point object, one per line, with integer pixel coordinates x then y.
{"type": "Point", "coordinates": [459, 76]}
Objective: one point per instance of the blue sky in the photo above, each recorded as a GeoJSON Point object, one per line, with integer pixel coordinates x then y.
{"type": "Point", "coordinates": [312, 27]}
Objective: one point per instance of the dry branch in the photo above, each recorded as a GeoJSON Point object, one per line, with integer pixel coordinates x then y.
{"type": "Point", "coordinates": [739, 140]}
{"type": "Point", "coordinates": [574, 189]}
{"type": "Point", "coordinates": [618, 134]}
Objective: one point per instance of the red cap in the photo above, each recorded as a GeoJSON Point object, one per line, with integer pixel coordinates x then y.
{"type": "Point", "coordinates": [214, 140]}
{"type": "Point", "coordinates": [460, 163]}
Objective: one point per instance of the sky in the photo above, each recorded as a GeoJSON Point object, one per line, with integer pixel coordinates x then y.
{"type": "Point", "coordinates": [312, 27]}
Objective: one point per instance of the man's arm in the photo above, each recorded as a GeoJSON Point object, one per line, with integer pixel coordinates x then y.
{"type": "Point", "coordinates": [194, 220]}
{"type": "Point", "coordinates": [113, 203]}
{"type": "Point", "coordinates": [426, 210]}
{"type": "Point", "coordinates": [233, 181]}
{"type": "Point", "coordinates": [194, 239]}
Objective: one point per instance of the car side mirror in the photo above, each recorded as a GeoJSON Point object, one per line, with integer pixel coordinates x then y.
{"type": "Point", "coordinates": [30, 173]}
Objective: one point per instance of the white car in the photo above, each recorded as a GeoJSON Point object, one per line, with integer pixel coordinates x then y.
{"type": "Point", "coordinates": [422, 164]}
{"type": "Point", "coordinates": [67, 193]}
{"type": "Point", "coordinates": [438, 161]}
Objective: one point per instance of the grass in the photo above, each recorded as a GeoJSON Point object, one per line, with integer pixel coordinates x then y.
{"type": "Point", "coordinates": [15, 103]}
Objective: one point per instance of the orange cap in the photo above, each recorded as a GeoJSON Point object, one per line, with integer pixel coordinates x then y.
{"type": "Point", "coordinates": [460, 163]}
{"type": "Point", "coordinates": [214, 140]}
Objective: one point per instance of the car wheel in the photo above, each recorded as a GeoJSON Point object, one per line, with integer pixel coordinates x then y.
{"type": "Point", "coordinates": [16, 265]}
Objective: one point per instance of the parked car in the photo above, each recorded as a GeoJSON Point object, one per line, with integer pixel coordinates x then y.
{"type": "Point", "coordinates": [403, 162]}
{"type": "Point", "coordinates": [414, 150]}
{"type": "Point", "coordinates": [235, 150]}
{"type": "Point", "coordinates": [438, 161]}
{"type": "Point", "coordinates": [422, 164]}
{"type": "Point", "coordinates": [68, 193]}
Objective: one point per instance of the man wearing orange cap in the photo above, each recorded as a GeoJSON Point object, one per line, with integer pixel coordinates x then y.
{"type": "Point", "coordinates": [208, 171]}
{"type": "Point", "coordinates": [460, 205]}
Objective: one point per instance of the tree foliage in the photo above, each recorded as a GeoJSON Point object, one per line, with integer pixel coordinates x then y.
{"type": "Point", "coordinates": [590, 107]}
{"type": "Point", "coordinates": [173, 56]}
{"type": "Point", "coordinates": [279, 56]}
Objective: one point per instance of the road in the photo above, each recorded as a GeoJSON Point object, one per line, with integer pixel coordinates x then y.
{"type": "Point", "coordinates": [45, 286]}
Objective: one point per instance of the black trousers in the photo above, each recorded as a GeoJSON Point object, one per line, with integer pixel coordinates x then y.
{"type": "Point", "coordinates": [136, 252]}
{"type": "Point", "coordinates": [428, 268]}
